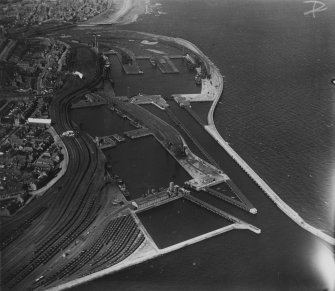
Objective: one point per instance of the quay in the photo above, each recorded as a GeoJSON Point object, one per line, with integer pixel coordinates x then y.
{"type": "Point", "coordinates": [208, 90]}
{"type": "Point", "coordinates": [154, 201]}
{"type": "Point", "coordinates": [169, 194]}
{"type": "Point", "coordinates": [137, 133]}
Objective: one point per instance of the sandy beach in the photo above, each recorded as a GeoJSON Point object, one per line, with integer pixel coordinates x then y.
{"type": "Point", "coordinates": [120, 12]}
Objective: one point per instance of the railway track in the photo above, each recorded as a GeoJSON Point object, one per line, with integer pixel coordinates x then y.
{"type": "Point", "coordinates": [70, 210]}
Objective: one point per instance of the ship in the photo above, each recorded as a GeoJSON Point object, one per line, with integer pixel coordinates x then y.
{"type": "Point", "coordinates": [333, 81]}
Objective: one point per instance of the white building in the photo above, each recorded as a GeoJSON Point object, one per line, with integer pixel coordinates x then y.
{"type": "Point", "coordinates": [44, 121]}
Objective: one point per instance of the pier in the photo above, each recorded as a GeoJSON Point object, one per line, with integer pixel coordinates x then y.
{"type": "Point", "coordinates": [169, 194]}
{"type": "Point", "coordinates": [242, 201]}
{"type": "Point", "coordinates": [222, 213]}
{"type": "Point", "coordinates": [137, 133]}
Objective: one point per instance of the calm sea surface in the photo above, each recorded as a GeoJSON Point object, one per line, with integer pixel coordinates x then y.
{"type": "Point", "coordinates": [277, 112]}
